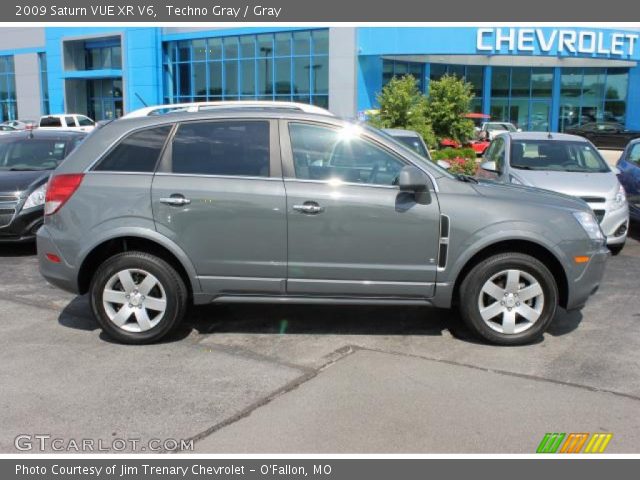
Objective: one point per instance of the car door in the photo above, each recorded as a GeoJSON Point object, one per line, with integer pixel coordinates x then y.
{"type": "Point", "coordinates": [629, 166]}
{"type": "Point", "coordinates": [219, 195]}
{"type": "Point", "coordinates": [70, 123]}
{"type": "Point", "coordinates": [351, 232]}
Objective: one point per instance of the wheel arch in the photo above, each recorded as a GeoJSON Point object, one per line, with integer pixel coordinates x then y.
{"type": "Point", "coordinates": [124, 243]}
{"type": "Point", "coordinates": [526, 247]}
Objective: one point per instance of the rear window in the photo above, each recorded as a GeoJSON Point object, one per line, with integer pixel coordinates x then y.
{"type": "Point", "coordinates": [138, 152]}
{"type": "Point", "coordinates": [32, 154]}
{"type": "Point", "coordinates": [238, 148]}
{"type": "Point", "coordinates": [50, 122]}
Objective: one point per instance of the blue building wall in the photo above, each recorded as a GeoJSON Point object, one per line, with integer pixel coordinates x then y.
{"type": "Point", "coordinates": [375, 42]}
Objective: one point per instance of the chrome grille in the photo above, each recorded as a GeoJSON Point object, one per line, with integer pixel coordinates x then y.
{"type": "Point", "coordinates": [8, 205]}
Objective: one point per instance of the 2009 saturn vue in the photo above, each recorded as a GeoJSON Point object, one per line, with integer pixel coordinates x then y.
{"type": "Point", "coordinates": [275, 205]}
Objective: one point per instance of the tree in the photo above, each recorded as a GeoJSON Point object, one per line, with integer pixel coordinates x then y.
{"type": "Point", "coordinates": [449, 99]}
{"type": "Point", "coordinates": [402, 105]}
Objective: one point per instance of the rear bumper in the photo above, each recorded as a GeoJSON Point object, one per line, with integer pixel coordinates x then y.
{"type": "Point", "coordinates": [582, 287]}
{"type": "Point", "coordinates": [61, 275]}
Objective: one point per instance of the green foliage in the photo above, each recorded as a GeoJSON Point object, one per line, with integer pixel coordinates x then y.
{"type": "Point", "coordinates": [466, 166]}
{"type": "Point", "coordinates": [402, 105]}
{"type": "Point", "coordinates": [450, 153]}
{"type": "Point", "coordinates": [449, 99]}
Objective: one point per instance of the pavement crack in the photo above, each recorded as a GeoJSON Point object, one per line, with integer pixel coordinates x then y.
{"type": "Point", "coordinates": [506, 372]}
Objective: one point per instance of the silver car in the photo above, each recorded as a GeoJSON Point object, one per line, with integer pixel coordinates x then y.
{"type": "Point", "coordinates": [567, 164]}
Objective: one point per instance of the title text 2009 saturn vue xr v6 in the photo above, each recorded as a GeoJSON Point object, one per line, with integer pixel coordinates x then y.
{"type": "Point", "coordinates": [276, 205]}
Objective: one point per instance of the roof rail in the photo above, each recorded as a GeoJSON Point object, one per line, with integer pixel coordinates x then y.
{"type": "Point", "coordinates": [231, 104]}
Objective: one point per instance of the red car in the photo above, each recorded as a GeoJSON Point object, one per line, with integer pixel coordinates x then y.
{"type": "Point", "coordinates": [478, 145]}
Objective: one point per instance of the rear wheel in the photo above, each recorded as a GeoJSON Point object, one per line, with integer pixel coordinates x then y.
{"type": "Point", "coordinates": [509, 299]}
{"type": "Point", "coordinates": [137, 298]}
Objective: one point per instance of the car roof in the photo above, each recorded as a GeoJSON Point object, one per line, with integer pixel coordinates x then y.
{"type": "Point", "coordinates": [44, 134]}
{"type": "Point", "coordinates": [225, 105]}
{"type": "Point", "coordinates": [545, 136]}
{"type": "Point", "coordinates": [396, 132]}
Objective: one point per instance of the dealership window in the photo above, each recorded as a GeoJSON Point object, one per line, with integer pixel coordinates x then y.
{"type": "Point", "coordinates": [287, 66]}
{"type": "Point", "coordinates": [104, 98]}
{"type": "Point", "coordinates": [474, 74]}
{"type": "Point", "coordinates": [103, 55]}
{"type": "Point", "coordinates": [396, 68]}
{"type": "Point", "coordinates": [44, 84]}
{"type": "Point", "coordinates": [8, 103]}
{"type": "Point", "coordinates": [592, 95]}
{"type": "Point", "coordinates": [522, 96]}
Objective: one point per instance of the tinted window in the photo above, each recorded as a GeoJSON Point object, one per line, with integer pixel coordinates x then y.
{"type": "Point", "coordinates": [414, 144]}
{"type": "Point", "coordinates": [136, 153]}
{"type": "Point", "coordinates": [222, 148]}
{"type": "Point", "coordinates": [322, 153]}
{"type": "Point", "coordinates": [85, 122]}
{"type": "Point", "coordinates": [634, 154]}
{"type": "Point", "coordinates": [496, 153]}
{"type": "Point", "coordinates": [50, 122]}
{"type": "Point", "coordinates": [32, 154]}
{"type": "Point", "coordinates": [550, 155]}
{"type": "Point", "coordinates": [70, 121]}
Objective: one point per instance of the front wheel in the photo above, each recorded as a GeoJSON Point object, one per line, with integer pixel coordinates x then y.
{"type": "Point", "coordinates": [509, 299]}
{"type": "Point", "coordinates": [137, 298]}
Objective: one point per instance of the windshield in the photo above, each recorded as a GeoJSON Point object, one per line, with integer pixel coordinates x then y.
{"type": "Point", "coordinates": [31, 154]}
{"type": "Point", "coordinates": [418, 158]}
{"type": "Point", "coordinates": [505, 127]}
{"type": "Point", "coordinates": [414, 144]}
{"type": "Point", "coordinates": [557, 156]}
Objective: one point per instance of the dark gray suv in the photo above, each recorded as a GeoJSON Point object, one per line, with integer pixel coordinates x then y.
{"type": "Point", "coordinates": [151, 214]}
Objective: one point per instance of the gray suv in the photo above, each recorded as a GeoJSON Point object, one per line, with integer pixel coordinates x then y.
{"type": "Point", "coordinates": [152, 214]}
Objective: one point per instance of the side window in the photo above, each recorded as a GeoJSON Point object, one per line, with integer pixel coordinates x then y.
{"type": "Point", "coordinates": [70, 121]}
{"type": "Point", "coordinates": [634, 154]}
{"type": "Point", "coordinates": [236, 148]}
{"type": "Point", "coordinates": [138, 152]}
{"type": "Point", "coordinates": [50, 122]}
{"type": "Point", "coordinates": [323, 153]}
{"type": "Point", "coordinates": [84, 121]}
{"type": "Point", "coordinates": [496, 154]}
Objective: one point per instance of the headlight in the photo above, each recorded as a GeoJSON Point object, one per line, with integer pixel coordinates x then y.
{"type": "Point", "coordinates": [620, 200]}
{"type": "Point", "coordinates": [36, 198]}
{"type": "Point", "coordinates": [590, 225]}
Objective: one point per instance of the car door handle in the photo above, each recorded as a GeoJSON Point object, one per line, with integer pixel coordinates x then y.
{"type": "Point", "coordinates": [309, 207]}
{"type": "Point", "coordinates": [176, 201]}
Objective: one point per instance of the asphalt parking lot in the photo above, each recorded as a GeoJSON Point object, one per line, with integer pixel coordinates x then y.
{"type": "Point", "coordinates": [319, 379]}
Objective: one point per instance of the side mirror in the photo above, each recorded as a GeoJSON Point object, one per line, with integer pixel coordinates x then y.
{"type": "Point", "coordinates": [413, 180]}
{"type": "Point", "coordinates": [489, 167]}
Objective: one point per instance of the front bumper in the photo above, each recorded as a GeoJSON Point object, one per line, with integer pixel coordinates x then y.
{"type": "Point", "coordinates": [23, 227]}
{"type": "Point", "coordinates": [588, 282]}
{"type": "Point", "coordinates": [611, 225]}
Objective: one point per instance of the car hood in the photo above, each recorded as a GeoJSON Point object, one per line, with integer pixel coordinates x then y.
{"type": "Point", "coordinates": [21, 181]}
{"type": "Point", "coordinates": [576, 184]}
{"type": "Point", "coordinates": [520, 193]}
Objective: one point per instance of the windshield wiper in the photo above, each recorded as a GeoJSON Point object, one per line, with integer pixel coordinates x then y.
{"type": "Point", "coordinates": [524, 167]}
{"type": "Point", "coordinates": [466, 178]}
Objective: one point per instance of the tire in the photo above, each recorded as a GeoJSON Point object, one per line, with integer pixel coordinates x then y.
{"type": "Point", "coordinates": [149, 285]}
{"type": "Point", "coordinates": [615, 249]}
{"type": "Point", "coordinates": [523, 315]}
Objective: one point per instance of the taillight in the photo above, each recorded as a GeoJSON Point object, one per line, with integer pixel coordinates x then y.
{"type": "Point", "coordinates": [59, 190]}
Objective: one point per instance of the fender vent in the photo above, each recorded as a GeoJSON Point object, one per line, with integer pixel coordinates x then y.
{"type": "Point", "coordinates": [443, 249]}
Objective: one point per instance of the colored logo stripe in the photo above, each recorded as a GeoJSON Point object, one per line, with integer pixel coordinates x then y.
{"type": "Point", "coordinates": [598, 443]}
{"type": "Point", "coordinates": [574, 443]}
{"type": "Point", "coordinates": [550, 443]}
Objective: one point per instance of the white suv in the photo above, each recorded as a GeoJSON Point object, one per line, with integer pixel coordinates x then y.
{"type": "Point", "coordinates": [70, 121]}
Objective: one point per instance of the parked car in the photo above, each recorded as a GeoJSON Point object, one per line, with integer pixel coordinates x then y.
{"type": "Point", "coordinates": [629, 176]}
{"type": "Point", "coordinates": [150, 214]}
{"type": "Point", "coordinates": [605, 134]}
{"type": "Point", "coordinates": [70, 121]}
{"type": "Point", "coordinates": [26, 161]}
{"type": "Point", "coordinates": [19, 124]}
{"type": "Point", "coordinates": [567, 164]}
{"type": "Point", "coordinates": [5, 129]}
{"type": "Point", "coordinates": [489, 130]}
{"type": "Point", "coordinates": [410, 139]}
